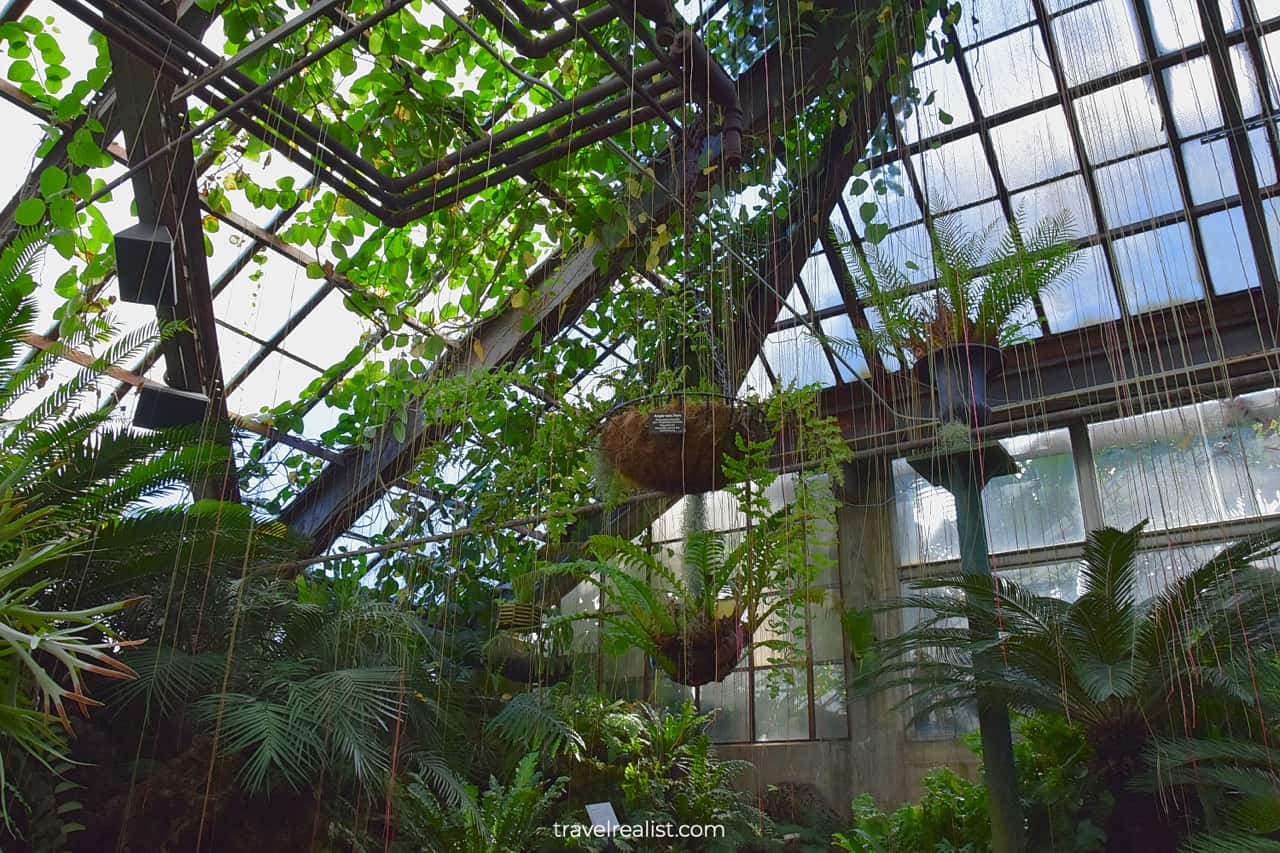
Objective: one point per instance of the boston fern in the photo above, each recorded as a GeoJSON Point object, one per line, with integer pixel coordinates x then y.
{"type": "Point", "coordinates": [982, 290]}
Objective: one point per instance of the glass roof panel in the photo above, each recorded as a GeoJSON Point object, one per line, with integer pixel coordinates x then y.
{"type": "Point", "coordinates": [819, 283]}
{"type": "Point", "coordinates": [796, 357]}
{"type": "Point", "coordinates": [954, 174]}
{"type": "Point", "coordinates": [1192, 97]}
{"type": "Point", "coordinates": [1096, 39]}
{"type": "Point", "coordinates": [261, 306]}
{"type": "Point", "coordinates": [330, 328]}
{"type": "Point", "coordinates": [277, 380]}
{"type": "Point", "coordinates": [1034, 148]}
{"type": "Point", "coordinates": [1120, 120]}
{"type": "Point", "coordinates": [1175, 24]}
{"type": "Point", "coordinates": [1138, 188]}
{"type": "Point", "coordinates": [848, 355]}
{"type": "Point", "coordinates": [1069, 194]}
{"type": "Point", "coordinates": [1226, 248]}
{"type": "Point", "coordinates": [1011, 70]}
{"type": "Point", "coordinates": [984, 19]}
{"type": "Point", "coordinates": [895, 206]}
{"type": "Point", "coordinates": [941, 80]}
{"type": "Point", "coordinates": [1090, 297]}
{"type": "Point", "coordinates": [1158, 268]}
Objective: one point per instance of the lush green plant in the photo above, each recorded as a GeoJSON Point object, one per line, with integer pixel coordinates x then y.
{"type": "Point", "coordinates": [505, 817]}
{"type": "Point", "coordinates": [1108, 661]}
{"type": "Point", "coordinates": [1061, 801]}
{"type": "Point", "coordinates": [983, 293]}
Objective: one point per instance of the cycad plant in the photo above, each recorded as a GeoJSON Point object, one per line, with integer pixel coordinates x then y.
{"type": "Point", "coordinates": [1124, 669]}
{"type": "Point", "coordinates": [92, 520]}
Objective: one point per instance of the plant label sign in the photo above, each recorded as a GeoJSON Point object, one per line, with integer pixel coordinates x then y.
{"type": "Point", "coordinates": [666, 423]}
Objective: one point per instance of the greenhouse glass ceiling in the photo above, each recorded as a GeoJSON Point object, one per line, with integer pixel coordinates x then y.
{"type": "Point", "coordinates": [1151, 121]}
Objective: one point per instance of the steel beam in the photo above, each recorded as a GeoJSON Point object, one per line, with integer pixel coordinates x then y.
{"type": "Point", "coordinates": [165, 193]}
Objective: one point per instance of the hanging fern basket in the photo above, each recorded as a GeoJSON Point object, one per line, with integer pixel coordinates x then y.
{"type": "Point", "coordinates": [959, 377]}
{"type": "Point", "coordinates": [706, 651]}
{"type": "Point", "coordinates": [523, 661]}
{"type": "Point", "coordinates": [677, 444]}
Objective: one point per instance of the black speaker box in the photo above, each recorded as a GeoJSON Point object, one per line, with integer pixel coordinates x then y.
{"type": "Point", "coordinates": [144, 265]}
{"type": "Point", "coordinates": [160, 407]}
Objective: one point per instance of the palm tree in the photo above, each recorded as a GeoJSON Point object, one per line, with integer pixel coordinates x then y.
{"type": "Point", "coordinates": [1125, 670]}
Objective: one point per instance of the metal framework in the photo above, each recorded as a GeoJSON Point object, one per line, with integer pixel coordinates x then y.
{"type": "Point", "coordinates": [1224, 343]}
{"type": "Point", "coordinates": [686, 73]}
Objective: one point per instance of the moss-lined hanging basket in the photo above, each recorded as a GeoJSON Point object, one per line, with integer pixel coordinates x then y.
{"type": "Point", "coordinates": [678, 443]}
{"type": "Point", "coordinates": [706, 650]}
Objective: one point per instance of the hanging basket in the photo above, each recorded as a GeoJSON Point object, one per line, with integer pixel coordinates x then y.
{"type": "Point", "coordinates": [959, 377]}
{"type": "Point", "coordinates": [706, 651]}
{"type": "Point", "coordinates": [678, 444]}
{"type": "Point", "coordinates": [522, 661]}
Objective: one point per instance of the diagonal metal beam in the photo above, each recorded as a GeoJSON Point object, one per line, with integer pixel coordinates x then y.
{"type": "Point", "coordinates": [563, 288]}
{"type": "Point", "coordinates": [165, 193]}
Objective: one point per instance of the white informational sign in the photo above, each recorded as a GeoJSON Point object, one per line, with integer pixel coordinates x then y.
{"type": "Point", "coordinates": [602, 815]}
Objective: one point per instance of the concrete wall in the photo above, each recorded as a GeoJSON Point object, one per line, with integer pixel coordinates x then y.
{"type": "Point", "coordinates": [880, 757]}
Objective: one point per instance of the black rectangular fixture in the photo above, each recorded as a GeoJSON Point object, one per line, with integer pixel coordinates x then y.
{"type": "Point", "coordinates": [144, 265]}
{"type": "Point", "coordinates": [161, 407]}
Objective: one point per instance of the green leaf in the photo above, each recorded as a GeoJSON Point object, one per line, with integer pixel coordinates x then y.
{"type": "Point", "coordinates": [52, 180]}
{"type": "Point", "coordinates": [945, 117]}
{"type": "Point", "coordinates": [29, 212]}
{"type": "Point", "coordinates": [21, 71]}
{"type": "Point", "coordinates": [876, 231]}
{"type": "Point", "coordinates": [867, 211]}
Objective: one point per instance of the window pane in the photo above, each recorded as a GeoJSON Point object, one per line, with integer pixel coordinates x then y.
{"type": "Point", "coordinates": [796, 357]}
{"type": "Point", "coordinates": [1158, 268]}
{"type": "Point", "coordinates": [1120, 120]}
{"type": "Point", "coordinates": [1010, 71]}
{"type": "Point", "coordinates": [729, 700]}
{"type": "Point", "coordinates": [1089, 298]}
{"type": "Point", "coordinates": [1210, 174]}
{"type": "Point", "coordinates": [1193, 465]}
{"type": "Point", "coordinates": [1040, 505]}
{"type": "Point", "coordinates": [1138, 188]}
{"type": "Point", "coordinates": [1176, 24]}
{"type": "Point", "coordinates": [1096, 40]}
{"type": "Point", "coordinates": [782, 708]}
{"type": "Point", "coordinates": [1034, 148]}
{"type": "Point", "coordinates": [1067, 194]}
{"type": "Point", "coordinates": [1053, 580]}
{"type": "Point", "coordinates": [1228, 251]}
{"type": "Point", "coordinates": [825, 631]}
{"type": "Point", "coordinates": [830, 702]}
{"type": "Point", "coordinates": [954, 174]}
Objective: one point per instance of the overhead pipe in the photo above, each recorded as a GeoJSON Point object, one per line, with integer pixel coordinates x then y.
{"type": "Point", "coordinates": [705, 80]}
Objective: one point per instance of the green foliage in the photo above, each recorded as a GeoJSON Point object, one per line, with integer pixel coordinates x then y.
{"type": "Point", "coordinates": [505, 817]}
{"type": "Point", "coordinates": [983, 290]}
{"type": "Point", "coordinates": [1108, 661]}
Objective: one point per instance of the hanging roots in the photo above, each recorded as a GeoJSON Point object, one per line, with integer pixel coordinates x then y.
{"type": "Point", "coordinates": [683, 464]}
{"type": "Point", "coordinates": [706, 651]}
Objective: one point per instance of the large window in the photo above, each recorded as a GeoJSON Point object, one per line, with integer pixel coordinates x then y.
{"type": "Point", "coordinates": [1203, 475]}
